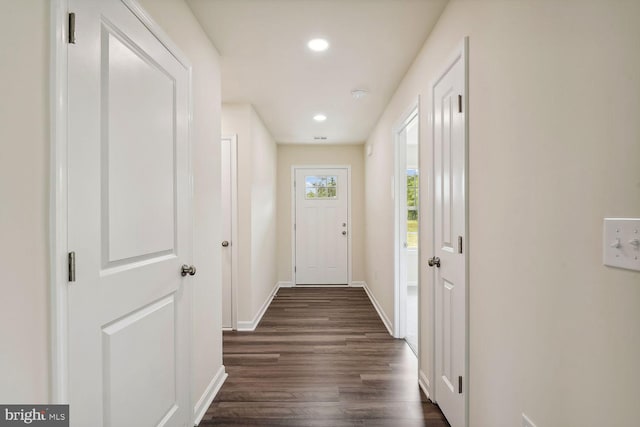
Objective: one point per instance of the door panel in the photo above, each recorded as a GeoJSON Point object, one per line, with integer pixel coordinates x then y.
{"type": "Point", "coordinates": [450, 224]}
{"type": "Point", "coordinates": [229, 224]}
{"type": "Point", "coordinates": [321, 206]}
{"type": "Point", "coordinates": [138, 102]}
{"type": "Point", "coordinates": [139, 356]}
{"type": "Point", "coordinates": [129, 204]}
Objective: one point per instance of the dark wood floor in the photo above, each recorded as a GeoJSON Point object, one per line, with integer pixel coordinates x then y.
{"type": "Point", "coordinates": [320, 357]}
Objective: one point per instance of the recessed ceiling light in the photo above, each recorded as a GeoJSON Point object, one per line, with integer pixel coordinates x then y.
{"type": "Point", "coordinates": [319, 117]}
{"type": "Point", "coordinates": [318, 45]}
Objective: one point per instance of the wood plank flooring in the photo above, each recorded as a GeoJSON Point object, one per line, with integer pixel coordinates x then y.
{"type": "Point", "coordinates": [320, 357]}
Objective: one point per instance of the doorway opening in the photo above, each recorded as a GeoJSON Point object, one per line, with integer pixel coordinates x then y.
{"type": "Point", "coordinates": [407, 202]}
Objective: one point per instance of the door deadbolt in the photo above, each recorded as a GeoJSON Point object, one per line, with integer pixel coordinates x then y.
{"type": "Point", "coordinates": [188, 269]}
{"type": "Point", "coordinates": [434, 261]}
{"type": "Point", "coordinates": [225, 244]}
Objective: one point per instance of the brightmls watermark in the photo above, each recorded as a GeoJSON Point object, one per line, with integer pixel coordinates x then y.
{"type": "Point", "coordinates": [34, 415]}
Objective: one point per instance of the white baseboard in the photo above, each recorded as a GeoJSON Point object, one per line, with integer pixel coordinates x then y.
{"type": "Point", "coordinates": [285, 284]}
{"type": "Point", "coordinates": [357, 284]}
{"type": "Point", "coordinates": [378, 307]}
{"type": "Point", "coordinates": [209, 394]}
{"type": "Point", "coordinates": [224, 329]}
{"type": "Point", "coordinates": [423, 381]}
{"type": "Point", "coordinates": [251, 325]}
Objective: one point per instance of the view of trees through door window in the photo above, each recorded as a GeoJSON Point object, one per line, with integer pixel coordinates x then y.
{"type": "Point", "coordinates": [412, 208]}
{"type": "Point", "coordinates": [321, 187]}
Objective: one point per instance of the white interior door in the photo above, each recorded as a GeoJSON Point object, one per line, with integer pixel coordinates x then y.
{"type": "Point", "coordinates": [321, 226]}
{"type": "Point", "coordinates": [129, 210]}
{"type": "Point", "coordinates": [449, 235]}
{"type": "Point", "coordinates": [229, 230]}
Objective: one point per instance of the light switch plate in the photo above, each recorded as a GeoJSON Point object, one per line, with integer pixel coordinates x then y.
{"type": "Point", "coordinates": [621, 243]}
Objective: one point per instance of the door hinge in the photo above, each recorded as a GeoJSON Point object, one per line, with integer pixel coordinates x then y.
{"type": "Point", "coordinates": [72, 28]}
{"type": "Point", "coordinates": [294, 226]}
{"type": "Point", "coordinates": [295, 269]}
{"type": "Point", "coordinates": [460, 385]}
{"type": "Point", "coordinates": [459, 244]}
{"type": "Point", "coordinates": [71, 266]}
{"type": "Point", "coordinates": [459, 103]}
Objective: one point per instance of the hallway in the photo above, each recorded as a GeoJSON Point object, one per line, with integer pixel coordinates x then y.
{"type": "Point", "coordinates": [320, 357]}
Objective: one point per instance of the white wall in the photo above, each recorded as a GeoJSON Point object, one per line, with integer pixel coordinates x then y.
{"type": "Point", "coordinates": [257, 163]}
{"type": "Point", "coordinates": [175, 17]}
{"type": "Point", "coordinates": [264, 152]}
{"type": "Point", "coordinates": [554, 148]}
{"type": "Point", "coordinates": [290, 155]}
{"type": "Point", "coordinates": [24, 193]}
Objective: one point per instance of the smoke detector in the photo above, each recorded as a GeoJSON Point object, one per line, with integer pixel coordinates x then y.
{"type": "Point", "coordinates": [359, 93]}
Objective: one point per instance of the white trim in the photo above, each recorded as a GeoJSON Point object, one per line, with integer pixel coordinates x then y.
{"type": "Point", "coordinates": [379, 309]}
{"type": "Point", "coordinates": [233, 148]}
{"type": "Point", "coordinates": [424, 384]}
{"type": "Point", "coordinates": [59, 358]}
{"type": "Point", "coordinates": [357, 284]}
{"type": "Point", "coordinates": [251, 325]}
{"type": "Point", "coordinates": [461, 51]}
{"type": "Point", "coordinates": [58, 222]}
{"type": "Point", "coordinates": [159, 34]}
{"type": "Point", "coordinates": [293, 217]}
{"type": "Point", "coordinates": [285, 284]}
{"type": "Point", "coordinates": [209, 394]}
{"type": "Point", "coordinates": [321, 286]}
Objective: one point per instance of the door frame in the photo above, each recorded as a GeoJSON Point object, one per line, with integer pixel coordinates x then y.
{"type": "Point", "coordinates": [399, 317]}
{"type": "Point", "coordinates": [460, 52]}
{"type": "Point", "coordinates": [293, 220]}
{"type": "Point", "coordinates": [58, 187]}
{"type": "Point", "coordinates": [233, 140]}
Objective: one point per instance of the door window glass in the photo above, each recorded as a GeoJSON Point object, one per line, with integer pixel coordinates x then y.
{"type": "Point", "coordinates": [412, 208]}
{"type": "Point", "coordinates": [321, 187]}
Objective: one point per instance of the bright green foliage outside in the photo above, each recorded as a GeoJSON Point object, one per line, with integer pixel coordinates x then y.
{"type": "Point", "coordinates": [412, 209]}
{"type": "Point", "coordinates": [321, 187]}
{"type": "Point", "coordinates": [412, 234]}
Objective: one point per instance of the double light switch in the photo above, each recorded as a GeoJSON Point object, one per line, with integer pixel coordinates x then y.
{"type": "Point", "coordinates": [622, 243]}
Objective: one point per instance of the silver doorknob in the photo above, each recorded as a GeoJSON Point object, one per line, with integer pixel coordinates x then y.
{"type": "Point", "coordinates": [188, 269]}
{"type": "Point", "coordinates": [344, 233]}
{"type": "Point", "coordinates": [434, 261]}
{"type": "Point", "coordinates": [225, 244]}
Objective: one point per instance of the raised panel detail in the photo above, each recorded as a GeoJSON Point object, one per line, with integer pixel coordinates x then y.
{"type": "Point", "coordinates": [139, 356]}
{"type": "Point", "coordinates": [447, 109]}
{"type": "Point", "coordinates": [447, 332]}
{"type": "Point", "coordinates": [138, 162]}
{"type": "Point", "coordinates": [312, 234]}
{"type": "Point", "coordinates": [331, 234]}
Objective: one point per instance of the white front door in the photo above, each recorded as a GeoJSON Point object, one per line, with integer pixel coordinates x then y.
{"type": "Point", "coordinates": [229, 226]}
{"type": "Point", "coordinates": [321, 226]}
{"type": "Point", "coordinates": [450, 235]}
{"type": "Point", "coordinates": [129, 223]}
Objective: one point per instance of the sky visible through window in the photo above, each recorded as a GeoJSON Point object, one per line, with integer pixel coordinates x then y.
{"type": "Point", "coordinates": [321, 187]}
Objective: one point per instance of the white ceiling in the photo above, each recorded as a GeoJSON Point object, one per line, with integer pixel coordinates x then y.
{"type": "Point", "coordinates": [266, 62]}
